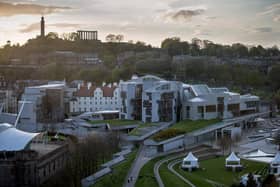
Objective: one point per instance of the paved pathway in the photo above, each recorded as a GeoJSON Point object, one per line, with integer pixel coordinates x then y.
{"type": "Point", "coordinates": [140, 160]}
{"type": "Point", "coordinates": [159, 163]}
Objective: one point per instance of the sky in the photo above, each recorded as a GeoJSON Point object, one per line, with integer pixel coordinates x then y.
{"type": "Point", "coordinates": [251, 22]}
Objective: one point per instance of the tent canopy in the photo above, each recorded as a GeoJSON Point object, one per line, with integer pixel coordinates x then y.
{"type": "Point", "coordinates": [232, 158]}
{"type": "Point", "coordinates": [276, 159]}
{"type": "Point", "coordinates": [190, 157]}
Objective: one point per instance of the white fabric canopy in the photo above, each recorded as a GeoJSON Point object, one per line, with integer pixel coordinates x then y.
{"type": "Point", "coordinates": [276, 159]}
{"type": "Point", "coordinates": [190, 157]}
{"type": "Point", "coordinates": [190, 161]}
{"type": "Point", "coordinates": [12, 139]}
{"type": "Point", "coordinates": [232, 158]}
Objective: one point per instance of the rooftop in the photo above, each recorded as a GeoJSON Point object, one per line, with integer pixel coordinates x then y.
{"type": "Point", "coordinates": [13, 139]}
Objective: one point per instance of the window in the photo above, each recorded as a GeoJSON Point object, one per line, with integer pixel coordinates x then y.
{"type": "Point", "coordinates": [211, 108]}
{"type": "Point", "coordinates": [188, 111]}
{"type": "Point", "coordinates": [250, 104]}
{"type": "Point", "coordinates": [200, 109]}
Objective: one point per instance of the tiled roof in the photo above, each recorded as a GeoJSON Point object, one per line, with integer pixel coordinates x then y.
{"type": "Point", "coordinates": [85, 92]}
{"type": "Point", "coordinates": [108, 91]}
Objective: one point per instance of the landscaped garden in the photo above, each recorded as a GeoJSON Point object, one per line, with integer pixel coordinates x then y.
{"type": "Point", "coordinates": [142, 129]}
{"type": "Point", "coordinates": [183, 127]}
{"type": "Point", "coordinates": [211, 172]}
{"type": "Point", "coordinates": [116, 122]}
{"type": "Point", "coordinates": [169, 179]}
{"type": "Point", "coordinates": [146, 176]}
{"type": "Point", "coordinates": [214, 170]}
{"type": "Point", "coordinates": [119, 172]}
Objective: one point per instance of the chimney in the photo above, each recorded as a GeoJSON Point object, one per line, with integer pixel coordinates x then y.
{"type": "Point", "coordinates": [88, 85]}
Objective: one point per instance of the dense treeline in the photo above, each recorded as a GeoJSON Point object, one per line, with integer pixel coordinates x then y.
{"type": "Point", "coordinates": [262, 79]}
{"type": "Point", "coordinates": [199, 47]}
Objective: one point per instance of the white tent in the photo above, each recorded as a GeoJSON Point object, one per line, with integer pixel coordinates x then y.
{"type": "Point", "coordinates": [275, 164]}
{"type": "Point", "coordinates": [232, 161]}
{"type": "Point", "coordinates": [190, 162]}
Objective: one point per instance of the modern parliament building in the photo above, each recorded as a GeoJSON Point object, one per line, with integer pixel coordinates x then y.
{"type": "Point", "coordinates": [152, 99]}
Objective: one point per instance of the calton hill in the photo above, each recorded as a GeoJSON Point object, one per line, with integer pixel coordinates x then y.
{"type": "Point", "coordinates": [240, 67]}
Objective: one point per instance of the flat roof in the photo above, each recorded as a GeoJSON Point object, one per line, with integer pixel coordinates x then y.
{"type": "Point", "coordinates": [43, 148]}
{"type": "Point", "coordinates": [49, 86]}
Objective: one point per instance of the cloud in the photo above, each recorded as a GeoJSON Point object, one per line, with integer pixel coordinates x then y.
{"type": "Point", "coordinates": [263, 29]}
{"type": "Point", "coordinates": [182, 15]}
{"type": "Point", "coordinates": [12, 9]}
{"type": "Point", "coordinates": [273, 10]}
{"type": "Point", "coordinates": [277, 18]}
{"type": "Point", "coordinates": [201, 32]}
{"type": "Point", "coordinates": [182, 3]}
{"type": "Point", "coordinates": [36, 26]}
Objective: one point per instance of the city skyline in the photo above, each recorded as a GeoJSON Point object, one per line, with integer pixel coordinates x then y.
{"type": "Point", "coordinates": [255, 22]}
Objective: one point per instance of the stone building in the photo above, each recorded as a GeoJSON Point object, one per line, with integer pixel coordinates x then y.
{"type": "Point", "coordinates": [26, 160]}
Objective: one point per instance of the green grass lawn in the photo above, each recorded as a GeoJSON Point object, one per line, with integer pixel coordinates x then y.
{"type": "Point", "coordinates": [119, 173]}
{"type": "Point", "coordinates": [215, 171]}
{"type": "Point", "coordinates": [146, 176]}
{"type": "Point", "coordinates": [137, 131]}
{"type": "Point", "coordinates": [183, 127]}
{"type": "Point", "coordinates": [169, 179]}
{"type": "Point", "coordinates": [116, 122]}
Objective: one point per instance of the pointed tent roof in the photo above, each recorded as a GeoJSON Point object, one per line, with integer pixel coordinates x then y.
{"type": "Point", "coordinates": [232, 158]}
{"type": "Point", "coordinates": [190, 157]}
{"type": "Point", "coordinates": [276, 159]}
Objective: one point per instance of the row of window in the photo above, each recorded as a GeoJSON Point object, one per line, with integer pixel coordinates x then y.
{"type": "Point", "coordinates": [90, 109]}
{"type": "Point", "coordinates": [85, 103]}
{"type": "Point", "coordinates": [95, 98]}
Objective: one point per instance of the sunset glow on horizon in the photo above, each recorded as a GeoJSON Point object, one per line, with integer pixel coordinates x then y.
{"type": "Point", "coordinates": [232, 21]}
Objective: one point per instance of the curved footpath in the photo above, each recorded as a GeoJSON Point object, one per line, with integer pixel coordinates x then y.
{"type": "Point", "coordinates": [170, 168]}
{"type": "Point", "coordinates": [159, 163]}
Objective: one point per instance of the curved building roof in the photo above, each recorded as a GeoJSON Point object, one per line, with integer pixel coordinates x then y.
{"type": "Point", "coordinates": [13, 139]}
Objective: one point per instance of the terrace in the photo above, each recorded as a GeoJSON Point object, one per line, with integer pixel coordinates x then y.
{"type": "Point", "coordinates": [183, 127]}
{"type": "Point", "coordinates": [116, 122]}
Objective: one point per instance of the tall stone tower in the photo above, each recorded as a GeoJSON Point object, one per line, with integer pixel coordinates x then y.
{"type": "Point", "coordinates": [42, 27]}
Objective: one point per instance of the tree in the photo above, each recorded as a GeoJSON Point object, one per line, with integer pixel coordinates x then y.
{"type": "Point", "coordinates": [274, 77]}
{"type": "Point", "coordinates": [174, 46]}
{"type": "Point", "coordinates": [52, 35]}
{"type": "Point", "coordinates": [270, 181]}
{"type": "Point", "coordinates": [225, 142]}
{"type": "Point", "coordinates": [276, 98]}
{"type": "Point", "coordinates": [119, 38]}
{"type": "Point", "coordinates": [251, 182]}
{"type": "Point", "coordinates": [110, 38]}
